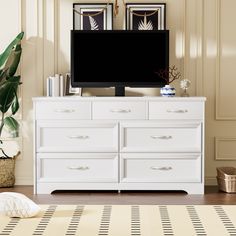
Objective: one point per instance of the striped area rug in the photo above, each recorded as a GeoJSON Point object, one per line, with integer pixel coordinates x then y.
{"type": "Point", "coordinates": [125, 220]}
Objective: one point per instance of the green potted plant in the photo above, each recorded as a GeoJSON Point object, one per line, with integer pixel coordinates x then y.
{"type": "Point", "coordinates": [9, 105]}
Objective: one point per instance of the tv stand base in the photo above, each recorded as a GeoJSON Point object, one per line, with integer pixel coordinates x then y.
{"type": "Point", "coordinates": [119, 91]}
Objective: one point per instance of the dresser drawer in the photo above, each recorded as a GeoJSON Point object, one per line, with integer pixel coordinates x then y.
{"type": "Point", "coordinates": [160, 168]}
{"type": "Point", "coordinates": [119, 110]}
{"type": "Point", "coordinates": [71, 167]}
{"type": "Point", "coordinates": [176, 110]}
{"type": "Point", "coordinates": [63, 110]}
{"type": "Point", "coordinates": [160, 137]}
{"type": "Point", "coordinates": [76, 136]}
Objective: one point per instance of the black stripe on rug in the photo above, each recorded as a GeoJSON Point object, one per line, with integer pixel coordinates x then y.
{"type": "Point", "coordinates": [8, 229]}
{"type": "Point", "coordinates": [41, 227]}
{"type": "Point", "coordinates": [74, 223]}
{"type": "Point", "coordinates": [165, 221]}
{"type": "Point", "coordinates": [135, 221]}
{"type": "Point", "coordinates": [229, 226]}
{"type": "Point", "coordinates": [105, 221]}
{"type": "Point", "coordinates": [197, 224]}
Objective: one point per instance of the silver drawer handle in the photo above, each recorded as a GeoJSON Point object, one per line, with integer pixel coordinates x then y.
{"type": "Point", "coordinates": [64, 110]}
{"type": "Point", "coordinates": [120, 110]}
{"type": "Point", "coordinates": [162, 137]}
{"type": "Point", "coordinates": [161, 168]}
{"type": "Point", "coordinates": [78, 137]}
{"type": "Point", "coordinates": [177, 111]}
{"type": "Point", "coordinates": [78, 167]}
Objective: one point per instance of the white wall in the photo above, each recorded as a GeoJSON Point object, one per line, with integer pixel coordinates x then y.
{"type": "Point", "coordinates": [202, 46]}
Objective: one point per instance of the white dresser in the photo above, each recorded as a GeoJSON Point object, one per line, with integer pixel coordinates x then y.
{"type": "Point", "coordinates": [119, 143]}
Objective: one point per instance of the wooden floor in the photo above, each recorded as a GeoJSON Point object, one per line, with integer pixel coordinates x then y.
{"type": "Point", "coordinates": [211, 197]}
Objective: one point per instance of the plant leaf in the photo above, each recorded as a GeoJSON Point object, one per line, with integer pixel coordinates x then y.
{"type": "Point", "coordinates": [12, 125]}
{"type": "Point", "coordinates": [144, 25]}
{"type": "Point", "coordinates": [8, 89]}
{"type": "Point", "coordinates": [6, 53]}
{"type": "Point", "coordinates": [13, 60]}
{"type": "Point", "coordinates": [3, 76]}
{"type": "Point", "coordinates": [93, 23]}
{"type": "Point", "coordinates": [15, 105]}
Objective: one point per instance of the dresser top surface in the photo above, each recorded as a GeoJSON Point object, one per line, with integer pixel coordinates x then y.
{"type": "Point", "coordinates": [124, 99]}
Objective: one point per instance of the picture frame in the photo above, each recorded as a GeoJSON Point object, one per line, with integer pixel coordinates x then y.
{"type": "Point", "coordinates": [143, 16]}
{"type": "Point", "coordinates": [69, 90]}
{"type": "Point", "coordinates": [85, 18]}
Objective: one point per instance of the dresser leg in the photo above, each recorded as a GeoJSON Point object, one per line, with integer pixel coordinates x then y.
{"type": "Point", "coordinates": [119, 191]}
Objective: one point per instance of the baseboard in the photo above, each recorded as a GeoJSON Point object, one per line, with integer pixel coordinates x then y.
{"type": "Point", "coordinates": [24, 181]}
{"type": "Point", "coordinates": [209, 181]}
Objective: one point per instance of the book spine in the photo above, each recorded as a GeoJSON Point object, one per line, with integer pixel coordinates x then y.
{"type": "Point", "coordinates": [61, 85]}
{"type": "Point", "coordinates": [48, 87]}
{"type": "Point", "coordinates": [55, 86]}
{"type": "Point", "coordinates": [50, 84]}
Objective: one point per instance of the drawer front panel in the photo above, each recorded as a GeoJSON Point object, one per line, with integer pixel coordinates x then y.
{"type": "Point", "coordinates": [78, 167]}
{"type": "Point", "coordinates": [119, 110]}
{"type": "Point", "coordinates": [63, 110]}
{"type": "Point", "coordinates": [160, 137]}
{"type": "Point", "coordinates": [176, 110]}
{"type": "Point", "coordinates": [76, 137]}
{"type": "Point", "coordinates": [149, 169]}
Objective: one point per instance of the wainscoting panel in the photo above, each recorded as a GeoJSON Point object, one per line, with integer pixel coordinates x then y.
{"type": "Point", "coordinates": [225, 149]}
{"type": "Point", "coordinates": [226, 61]}
{"type": "Point", "coordinates": [219, 59]}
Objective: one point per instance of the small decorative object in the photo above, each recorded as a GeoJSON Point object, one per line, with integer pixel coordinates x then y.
{"type": "Point", "coordinates": [69, 90]}
{"type": "Point", "coordinates": [167, 91]}
{"type": "Point", "coordinates": [92, 16]}
{"type": "Point", "coordinates": [145, 16]}
{"type": "Point", "coordinates": [9, 105]}
{"type": "Point", "coordinates": [169, 74]}
{"type": "Point", "coordinates": [185, 84]}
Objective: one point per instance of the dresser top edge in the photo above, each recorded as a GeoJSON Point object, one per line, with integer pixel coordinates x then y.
{"type": "Point", "coordinates": [116, 99]}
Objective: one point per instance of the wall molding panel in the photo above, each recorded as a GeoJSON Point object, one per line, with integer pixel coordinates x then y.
{"type": "Point", "coordinates": [226, 55]}
{"type": "Point", "coordinates": [225, 148]}
{"type": "Point", "coordinates": [200, 50]}
{"type": "Point", "coordinates": [31, 12]}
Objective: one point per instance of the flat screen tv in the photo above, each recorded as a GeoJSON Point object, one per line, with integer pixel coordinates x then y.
{"type": "Point", "coordinates": [118, 58]}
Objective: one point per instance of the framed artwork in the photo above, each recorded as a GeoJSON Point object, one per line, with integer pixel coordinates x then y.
{"type": "Point", "coordinates": [92, 16]}
{"type": "Point", "coordinates": [150, 16]}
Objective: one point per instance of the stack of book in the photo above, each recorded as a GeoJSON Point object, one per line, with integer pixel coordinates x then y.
{"type": "Point", "coordinates": [56, 86]}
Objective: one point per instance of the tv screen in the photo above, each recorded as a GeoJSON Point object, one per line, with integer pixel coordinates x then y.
{"type": "Point", "coordinates": [110, 58]}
